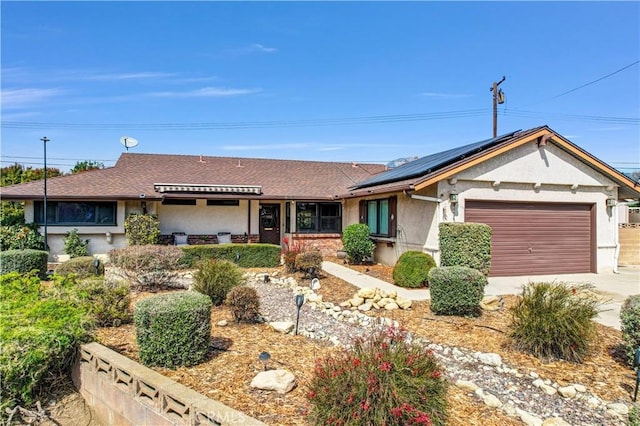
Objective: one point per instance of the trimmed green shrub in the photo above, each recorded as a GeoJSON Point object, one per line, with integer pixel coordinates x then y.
{"type": "Point", "coordinates": [75, 246]}
{"type": "Point", "coordinates": [81, 267]}
{"type": "Point", "coordinates": [148, 266]}
{"type": "Point", "coordinates": [630, 325]}
{"type": "Point", "coordinates": [173, 329]}
{"type": "Point", "coordinates": [23, 261]}
{"type": "Point", "coordinates": [356, 239]}
{"type": "Point", "coordinates": [39, 338]}
{"type": "Point", "coordinates": [381, 380]}
{"type": "Point", "coordinates": [456, 290]}
{"type": "Point", "coordinates": [142, 229]}
{"type": "Point", "coordinates": [309, 259]}
{"type": "Point", "coordinates": [412, 269]}
{"type": "Point", "coordinates": [466, 244]}
{"type": "Point", "coordinates": [555, 320]}
{"type": "Point", "coordinates": [244, 255]}
{"type": "Point", "coordinates": [21, 237]}
{"type": "Point", "coordinates": [244, 303]}
{"type": "Point", "coordinates": [216, 278]}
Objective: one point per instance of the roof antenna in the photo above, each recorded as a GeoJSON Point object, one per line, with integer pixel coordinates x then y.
{"type": "Point", "coordinates": [128, 142]}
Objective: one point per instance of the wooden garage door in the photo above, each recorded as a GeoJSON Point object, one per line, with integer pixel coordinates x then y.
{"type": "Point", "coordinates": [536, 238]}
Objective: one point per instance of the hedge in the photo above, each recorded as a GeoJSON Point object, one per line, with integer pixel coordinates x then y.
{"type": "Point", "coordinates": [23, 261]}
{"type": "Point", "coordinates": [456, 290]}
{"type": "Point", "coordinates": [466, 244]}
{"type": "Point", "coordinates": [244, 255]}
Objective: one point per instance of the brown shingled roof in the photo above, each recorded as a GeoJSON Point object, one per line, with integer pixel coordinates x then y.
{"type": "Point", "coordinates": [136, 174]}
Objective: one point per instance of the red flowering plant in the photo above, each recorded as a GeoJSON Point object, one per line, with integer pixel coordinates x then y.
{"type": "Point", "coordinates": [290, 250]}
{"type": "Point", "coordinates": [383, 379]}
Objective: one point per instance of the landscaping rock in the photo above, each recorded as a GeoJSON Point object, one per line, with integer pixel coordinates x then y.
{"type": "Point", "coordinates": [466, 385]}
{"type": "Point", "coordinates": [491, 359]}
{"type": "Point", "coordinates": [282, 326]}
{"type": "Point", "coordinates": [555, 421]}
{"type": "Point", "coordinates": [492, 303]}
{"type": "Point", "coordinates": [567, 391]}
{"type": "Point", "coordinates": [222, 323]}
{"type": "Point", "coordinates": [491, 401]}
{"type": "Point", "coordinates": [528, 418]}
{"type": "Point", "coordinates": [281, 381]}
{"type": "Point", "coordinates": [618, 408]}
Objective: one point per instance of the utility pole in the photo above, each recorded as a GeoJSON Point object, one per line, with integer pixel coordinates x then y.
{"type": "Point", "coordinates": [46, 245]}
{"type": "Point", "coordinates": [498, 98]}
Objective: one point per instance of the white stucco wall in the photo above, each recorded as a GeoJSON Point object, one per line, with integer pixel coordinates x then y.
{"type": "Point", "coordinates": [203, 219]}
{"type": "Point", "coordinates": [526, 174]}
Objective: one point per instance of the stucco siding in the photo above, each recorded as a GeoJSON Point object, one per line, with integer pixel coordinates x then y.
{"type": "Point", "coordinates": [203, 219]}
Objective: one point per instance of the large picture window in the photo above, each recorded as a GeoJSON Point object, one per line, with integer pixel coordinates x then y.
{"type": "Point", "coordinates": [380, 216]}
{"type": "Point", "coordinates": [318, 217]}
{"type": "Point", "coordinates": [83, 213]}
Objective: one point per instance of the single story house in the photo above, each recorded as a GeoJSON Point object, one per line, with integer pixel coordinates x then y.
{"type": "Point", "coordinates": [551, 204]}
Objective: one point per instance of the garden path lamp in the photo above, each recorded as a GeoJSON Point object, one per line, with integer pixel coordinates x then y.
{"type": "Point", "coordinates": [264, 358]}
{"type": "Point", "coordinates": [636, 364]}
{"type": "Point", "coordinates": [299, 303]}
{"type": "Point", "coordinates": [96, 264]}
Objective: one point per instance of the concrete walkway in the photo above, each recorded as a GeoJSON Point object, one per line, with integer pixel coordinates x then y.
{"type": "Point", "coordinates": [614, 287]}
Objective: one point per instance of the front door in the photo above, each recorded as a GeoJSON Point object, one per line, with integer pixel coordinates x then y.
{"type": "Point", "coordinates": [270, 223]}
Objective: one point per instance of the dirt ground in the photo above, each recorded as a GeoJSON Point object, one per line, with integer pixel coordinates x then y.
{"type": "Point", "coordinates": [233, 362]}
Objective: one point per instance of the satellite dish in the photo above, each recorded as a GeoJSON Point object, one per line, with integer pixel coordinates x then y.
{"type": "Point", "coordinates": [128, 142]}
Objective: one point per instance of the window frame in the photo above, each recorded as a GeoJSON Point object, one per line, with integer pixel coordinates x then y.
{"type": "Point", "coordinates": [391, 217]}
{"type": "Point", "coordinates": [56, 206]}
{"type": "Point", "coordinates": [317, 218]}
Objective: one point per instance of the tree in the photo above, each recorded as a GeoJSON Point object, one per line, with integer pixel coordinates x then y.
{"type": "Point", "coordinates": [84, 166]}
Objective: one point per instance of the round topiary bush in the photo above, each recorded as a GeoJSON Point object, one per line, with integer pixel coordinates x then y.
{"type": "Point", "coordinates": [216, 278]}
{"type": "Point", "coordinates": [630, 325]}
{"type": "Point", "coordinates": [456, 290]}
{"type": "Point", "coordinates": [23, 261]}
{"type": "Point", "coordinates": [173, 329]}
{"type": "Point", "coordinates": [82, 267]}
{"type": "Point", "coordinates": [382, 379]}
{"type": "Point", "coordinates": [356, 239]}
{"type": "Point", "coordinates": [309, 259]}
{"type": "Point", "coordinates": [412, 269]}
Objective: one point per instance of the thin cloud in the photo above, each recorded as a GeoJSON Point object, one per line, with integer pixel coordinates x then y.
{"type": "Point", "coordinates": [438, 95]}
{"type": "Point", "coordinates": [266, 146]}
{"type": "Point", "coordinates": [206, 92]}
{"type": "Point", "coordinates": [129, 76]}
{"type": "Point", "coordinates": [253, 48]}
{"type": "Point", "coordinates": [17, 98]}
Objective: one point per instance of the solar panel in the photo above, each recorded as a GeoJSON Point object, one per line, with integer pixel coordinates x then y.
{"type": "Point", "coordinates": [431, 162]}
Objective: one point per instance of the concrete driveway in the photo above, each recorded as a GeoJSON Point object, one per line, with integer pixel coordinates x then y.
{"type": "Point", "coordinates": [615, 288]}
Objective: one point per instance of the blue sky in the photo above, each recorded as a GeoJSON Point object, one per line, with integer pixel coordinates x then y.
{"type": "Point", "coordinates": [343, 81]}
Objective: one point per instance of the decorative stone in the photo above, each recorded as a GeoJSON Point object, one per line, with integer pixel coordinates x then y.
{"type": "Point", "coordinates": [466, 385]}
{"type": "Point", "coordinates": [391, 306]}
{"type": "Point", "coordinates": [366, 293]}
{"type": "Point", "coordinates": [549, 390]}
{"type": "Point", "coordinates": [491, 359]}
{"type": "Point", "coordinates": [491, 401]}
{"type": "Point", "coordinates": [313, 297]}
{"type": "Point", "coordinates": [491, 303]}
{"type": "Point", "coordinates": [282, 326]}
{"type": "Point", "coordinates": [618, 408]}
{"type": "Point", "coordinates": [528, 418]}
{"type": "Point", "coordinates": [385, 300]}
{"type": "Point", "coordinates": [538, 382]}
{"type": "Point", "coordinates": [281, 381]}
{"type": "Point", "coordinates": [365, 307]}
{"type": "Point", "coordinates": [222, 323]}
{"type": "Point", "coordinates": [567, 391]}
{"type": "Point", "coordinates": [580, 388]}
{"type": "Point", "coordinates": [403, 303]}
{"type": "Point", "coordinates": [593, 402]}
{"type": "Point", "coordinates": [555, 421]}
{"type": "Point", "coordinates": [392, 294]}
{"type": "Point", "coordinates": [356, 301]}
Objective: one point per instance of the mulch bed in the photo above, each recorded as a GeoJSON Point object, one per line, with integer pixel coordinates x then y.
{"type": "Point", "coordinates": [233, 360]}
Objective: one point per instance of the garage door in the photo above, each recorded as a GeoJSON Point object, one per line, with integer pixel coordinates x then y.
{"type": "Point", "coordinates": [536, 238]}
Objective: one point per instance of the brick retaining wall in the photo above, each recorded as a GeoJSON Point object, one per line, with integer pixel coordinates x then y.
{"type": "Point", "coordinates": [122, 392]}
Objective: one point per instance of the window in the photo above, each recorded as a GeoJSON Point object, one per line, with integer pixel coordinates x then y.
{"type": "Point", "coordinates": [380, 216]}
{"type": "Point", "coordinates": [318, 217]}
{"type": "Point", "coordinates": [87, 213]}
{"type": "Point", "coordinates": [223, 202]}
{"type": "Point", "coordinates": [179, 202]}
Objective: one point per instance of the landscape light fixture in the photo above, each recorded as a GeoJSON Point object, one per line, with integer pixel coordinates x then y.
{"type": "Point", "coordinates": [299, 303]}
{"type": "Point", "coordinates": [96, 264]}
{"type": "Point", "coordinates": [44, 204]}
{"type": "Point", "coordinates": [264, 358]}
{"type": "Point", "coordinates": [266, 278]}
{"type": "Point", "coordinates": [453, 197]}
